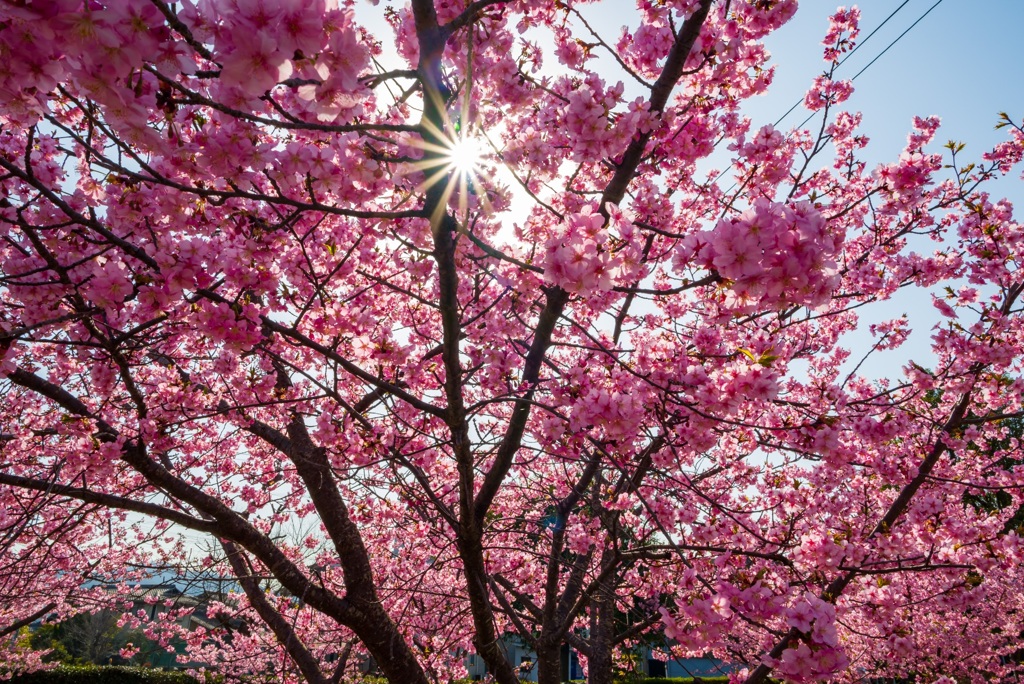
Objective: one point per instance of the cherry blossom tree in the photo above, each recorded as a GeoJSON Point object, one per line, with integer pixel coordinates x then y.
{"type": "Point", "coordinates": [564, 386]}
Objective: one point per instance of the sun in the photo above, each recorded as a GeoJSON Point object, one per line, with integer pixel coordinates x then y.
{"type": "Point", "coordinates": [457, 159]}
{"type": "Point", "coordinates": [465, 155]}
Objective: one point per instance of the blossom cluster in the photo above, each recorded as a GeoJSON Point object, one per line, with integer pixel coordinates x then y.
{"type": "Point", "coordinates": [585, 258]}
{"type": "Point", "coordinates": [818, 654]}
{"type": "Point", "coordinates": [843, 29]}
{"type": "Point", "coordinates": [772, 255]}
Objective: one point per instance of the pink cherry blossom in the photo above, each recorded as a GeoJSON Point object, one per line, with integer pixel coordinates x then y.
{"type": "Point", "coordinates": [256, 331]}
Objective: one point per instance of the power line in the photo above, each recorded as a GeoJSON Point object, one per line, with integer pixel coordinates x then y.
{"type": "Point", "coordinates": [939, 2]}
{"type": "Point", "coordinates": [856, 47]}
{"type": "Point", "coordinates": [868, 65]}
{"type": "Point", "coordinates": [877, 57]}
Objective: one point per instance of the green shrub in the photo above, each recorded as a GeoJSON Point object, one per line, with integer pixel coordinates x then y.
{"type": "Point", "coordinates": [103, 675]}
{"type": "Point", "coordinates": [91, 674]}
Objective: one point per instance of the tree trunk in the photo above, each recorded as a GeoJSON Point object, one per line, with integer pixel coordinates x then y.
{"type": "Point", "coordinates": [389, 649]}
{"type": "Point", "coordinates": [549, 663]}
{"type": "Point", "coordinates": [600, 669]}
{"type": "Point", "coordinates": [485, 639]}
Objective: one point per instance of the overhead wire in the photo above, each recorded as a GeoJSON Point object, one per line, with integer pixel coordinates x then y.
{"type": "Point", "coordinates": [878, 56]}
{"type": "Point", "coordinates": [909, 28]}
{"type": "Point", "coordinates": [851, 53]}
{"type": "Point", "coordinates": [848, 55]}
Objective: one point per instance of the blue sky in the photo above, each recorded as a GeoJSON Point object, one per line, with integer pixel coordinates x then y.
{"type": "Point", "coordinates": [961, 62]}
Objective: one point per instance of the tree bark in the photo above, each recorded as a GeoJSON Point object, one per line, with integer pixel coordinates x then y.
{"type": "Point", "coordinates": [549, 663]}
{"type": "Point", "coordinates": [600, 668]}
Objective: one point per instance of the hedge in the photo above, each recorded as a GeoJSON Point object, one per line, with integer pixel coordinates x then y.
{"type": "Point", "coordinates": [91, 674]}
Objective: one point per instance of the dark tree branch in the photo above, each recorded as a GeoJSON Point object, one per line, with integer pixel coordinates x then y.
{"type": "Point", "coordinates": [283, 631]}
{"type": "Point", "coordinates": [110, 501]}
{"type": "Point", "coordinates": [27, 620]}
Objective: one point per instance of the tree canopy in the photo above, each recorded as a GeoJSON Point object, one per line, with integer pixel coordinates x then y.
{"type": "Point", "coordinates": [421, 358]}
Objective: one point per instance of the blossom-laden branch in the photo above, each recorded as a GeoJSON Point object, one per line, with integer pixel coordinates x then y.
{"type": "Point", "coordinates": [251, 289]}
